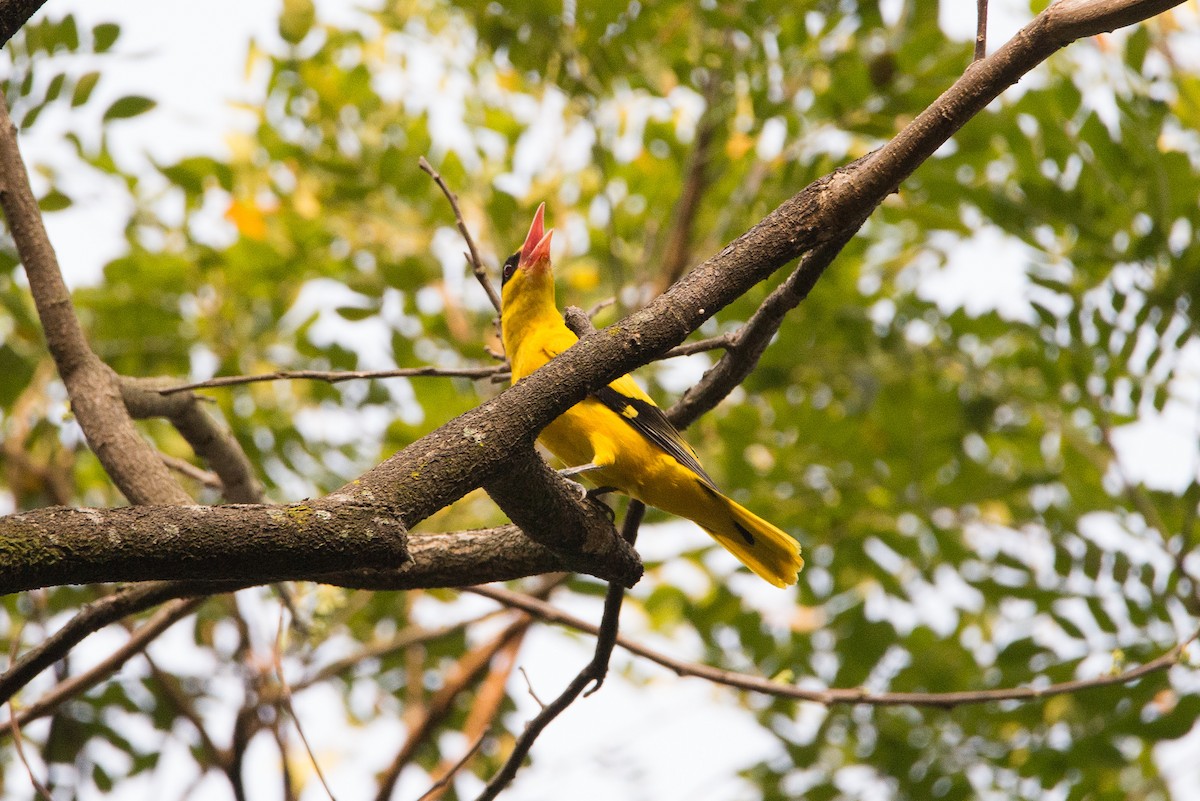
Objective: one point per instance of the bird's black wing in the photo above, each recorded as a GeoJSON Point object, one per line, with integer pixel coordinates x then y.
{"type": "Point", "coordinates": [649, 421]}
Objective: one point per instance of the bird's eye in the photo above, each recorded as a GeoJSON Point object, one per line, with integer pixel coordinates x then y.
{"type": "Point", "coordinates": [510, 267]}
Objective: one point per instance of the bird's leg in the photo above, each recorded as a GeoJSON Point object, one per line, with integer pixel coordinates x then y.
{"type": "Point", "coordinates": [584, 492]}
{"type": "Point", "coordinates": [567, 472]}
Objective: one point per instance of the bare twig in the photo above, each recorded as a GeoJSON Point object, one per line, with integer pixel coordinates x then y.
{"type": "Point", "coordinates": [529, 687]}
{"type": "Point", "coordinates": [834, 696]}
{"type": "Point", "coordinates": [721, 341]}
{"type": "Point", "coordinates": [285, 770]}
{"type": "Point", "coordinates": [981, 29]}
{"type": "Point", "coordinates": [587, 682]}
{"type": "Point", "coordinates": [137, 642]}
{"type": "Point", "coordinates": [285, 698]}
{"type": "Point", "coordinates": [18, 741]}
{"type": "Point", "coordinates": [439, 786]}
{"type": "Point", "coordinates": [473, 256]}
{"type": "Point", "coordinates": [337, 376]}
{"type": "Point", "coordinates": [206, 477]}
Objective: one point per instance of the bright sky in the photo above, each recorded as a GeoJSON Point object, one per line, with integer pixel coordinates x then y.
{"type": "Point", "coordinates": [668, 739]}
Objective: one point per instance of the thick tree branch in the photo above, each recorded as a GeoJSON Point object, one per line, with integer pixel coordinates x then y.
{"type": "Point", "coordinates": [549, 511]}
{"type": "Point", "coordinates": [94, 389]}
{"type": "Point", "coordinates": [454, 559]}
{"type": "Point", "coordinates": [240, 542]}
{"type": "Point", "coordinates": [14, 14]}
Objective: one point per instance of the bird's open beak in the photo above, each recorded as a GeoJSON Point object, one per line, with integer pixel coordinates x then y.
{"type": "Point", "coordinates": [537, 243]}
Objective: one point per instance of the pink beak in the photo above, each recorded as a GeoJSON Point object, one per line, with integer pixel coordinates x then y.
{"type": "Point", "coordinates": [537, 242]}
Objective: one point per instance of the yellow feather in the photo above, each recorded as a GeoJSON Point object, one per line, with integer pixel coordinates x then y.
{"type": "Point", "coordinates": [591, 432]}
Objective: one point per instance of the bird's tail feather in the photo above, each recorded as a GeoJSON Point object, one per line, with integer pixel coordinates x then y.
{"type": "Point", "coordinates": [761, 546]}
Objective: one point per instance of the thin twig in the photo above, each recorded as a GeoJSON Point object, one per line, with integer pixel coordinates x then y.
{"type": "Point", "coordinates": [587, 682]}
{"type": "Point", "coordinates": [600, 306]}
{"type": "Point", "coordinates": [981, 29]}
{"type": "Point", "coordinates": [438, 786]}
{"type": "Point", "coordinates": [206, 477]}
{"type": "Point", "coordinates": [833, 696]}
{"type": "Point", "coordinates": [720, 342]}
{"type": "Point", "coordinates": [18, 741]}
{"type": "Point", "coordinates": [172, 690]}
{"type": "Point", "coordinates": [337, 376]}
{"type": "Point", "coordinates": [529, 687]}
{"type": "Point", "coordinates": [473, 256]}
{"type": "Point", "coordinates": [286, 698]}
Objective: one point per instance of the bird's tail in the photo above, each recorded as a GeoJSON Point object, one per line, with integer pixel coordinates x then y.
{"type": "Point", "coordinates": [761, 546]}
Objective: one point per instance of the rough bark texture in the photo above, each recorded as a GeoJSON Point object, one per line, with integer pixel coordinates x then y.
{"type": "Point", "coordinates": [137, 543]}
{"type": "Point", "coordinates": [14, 14]}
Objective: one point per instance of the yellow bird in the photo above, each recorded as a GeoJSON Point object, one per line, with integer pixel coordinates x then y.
{"type": "Point", "coordinates": [618, 435]}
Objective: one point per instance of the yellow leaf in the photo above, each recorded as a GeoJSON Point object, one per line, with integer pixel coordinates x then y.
{"type": "Point", "coordinates": [248, 218]}
{"type": "Point", "coordinates": [995, 512]}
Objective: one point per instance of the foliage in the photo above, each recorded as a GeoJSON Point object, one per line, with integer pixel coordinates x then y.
{"type": "Point", "coordinates": [941, 421]}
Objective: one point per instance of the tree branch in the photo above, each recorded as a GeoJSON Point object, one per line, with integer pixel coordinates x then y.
{"type": "Point", "coordinates": [76, 685]}
{"type": "Point", "coordinates": [835, 696]}
{"type": "Point", "coordinates": [92, 385]}
{"type": "Point", "coordinates": [452, 559]}
{"type": "Point", "coordinates": [592, 676]}
{"type": "Point", "coordinates": [210, 441]}
{"type": "Point", "coordinates": [981, 17]}
{"type": "Point", "coordinates": [750, 342]}
{"type": "Point", "coordinates": [473, 257]}
{"type": "Point", "coordinates": [14, 14]}
{"type": "Point", "coordinates": [59, 545]}
{"type": "Point", "coordinates": [549, 511]}
{"type": "Point", "coordinates": [337, 376]}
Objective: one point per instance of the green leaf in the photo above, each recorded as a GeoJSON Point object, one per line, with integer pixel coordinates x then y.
{"type": "Point", "coordinates": [128, 106]}
{"type": "Point", "coordinates": [104, 36]}
{"type": "Point", "coordinates": [54, 200]}
{"type": "Point", "coordinates": [84, 87]}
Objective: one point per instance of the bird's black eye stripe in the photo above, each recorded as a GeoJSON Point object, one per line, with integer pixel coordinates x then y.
{"type": "Point", "coordinates": [510, 267]}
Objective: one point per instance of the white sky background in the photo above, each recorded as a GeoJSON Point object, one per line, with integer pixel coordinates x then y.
{"type": "Point", "coordinates": [669, 739]}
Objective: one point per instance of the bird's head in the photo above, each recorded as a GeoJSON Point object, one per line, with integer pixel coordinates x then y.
{"type": "Point", "coordinates": [532, 261]}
